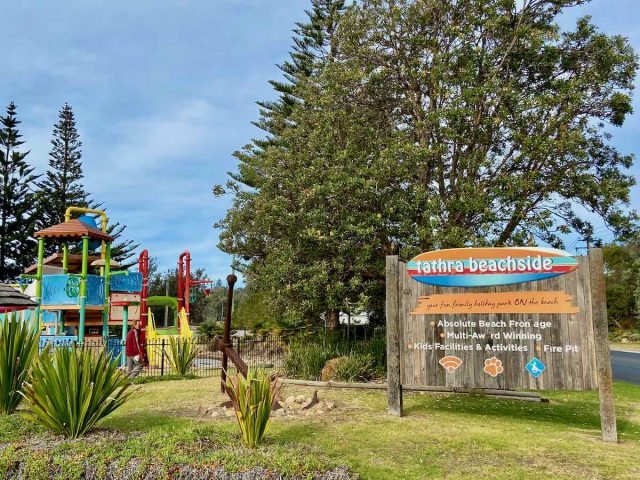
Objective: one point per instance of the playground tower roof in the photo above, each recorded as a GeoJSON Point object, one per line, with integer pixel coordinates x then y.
{"type": "Point", "coordinates": [74, 262]}
{"type": "Point", "coordinates": [73, 229]}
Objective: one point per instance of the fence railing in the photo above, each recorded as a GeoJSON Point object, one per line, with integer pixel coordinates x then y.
{"type": "Point", "coordinates": [256, 352]}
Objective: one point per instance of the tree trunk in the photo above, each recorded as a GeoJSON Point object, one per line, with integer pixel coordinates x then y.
{"type": "Point", "coordinates": [333, 320]}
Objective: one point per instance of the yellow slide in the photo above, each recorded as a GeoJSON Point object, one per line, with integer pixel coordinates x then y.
{"type": "Point", "coordinates": [154, 351]}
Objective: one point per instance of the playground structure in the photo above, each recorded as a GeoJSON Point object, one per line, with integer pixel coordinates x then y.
{"type": "Point", "coordinates": [82, 296]}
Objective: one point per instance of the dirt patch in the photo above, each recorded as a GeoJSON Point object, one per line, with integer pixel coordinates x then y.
{"type": "Point", "coordinates": [291, 406]}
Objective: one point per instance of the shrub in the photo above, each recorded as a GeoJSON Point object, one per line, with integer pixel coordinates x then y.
{"type": "Point", "coordinates": [354, 367]}
{"type": "Point", "coordinates": [18, 349]}
{"type": "Point", "coordinates": [252, 399]}
{"type": "Point", "coordinates": [71, 389]}
{"type": "Point", "coordinates": [306, 359]}
{"type": "Point", "coordinates": [307, 356]}
{"type": "Point", "coordinates": [377, 349]}
{"type": "Point", "coordinates": [182, 353]}
{"type": "Point", "coordinates": [209, 329]}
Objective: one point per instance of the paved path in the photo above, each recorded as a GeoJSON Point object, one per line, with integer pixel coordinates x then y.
{"type": "Point", "coordinates": [626, 366]}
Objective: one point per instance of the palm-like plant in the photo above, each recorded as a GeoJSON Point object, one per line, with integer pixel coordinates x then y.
{"type": "Point", "coordinates": [18, 349]}
{"type": "Point", "coordinates": [252, 398]}
{"type": "Point", "coordinates": [182, 354]}
{"type": "Point", "coordinates": [71, 389]}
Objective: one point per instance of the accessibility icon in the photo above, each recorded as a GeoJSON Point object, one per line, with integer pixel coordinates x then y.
{"type": "Point", "coordinates": [535, 367]}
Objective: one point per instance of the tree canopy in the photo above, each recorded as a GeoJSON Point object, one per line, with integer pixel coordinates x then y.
{"type": "Point", "coordinates": [17, 199]}
{"type": "Point", "coordinates": [433, 125]}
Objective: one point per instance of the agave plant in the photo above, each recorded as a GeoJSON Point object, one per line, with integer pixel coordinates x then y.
{"type": "Point", "coordinates": [252, 399]}
{"type": "Point", "coordinates": [18, 349]}
{"type": "Point", "coordinates": [70, 389]}
{"type": "Point", "coordinates": [182, 353]}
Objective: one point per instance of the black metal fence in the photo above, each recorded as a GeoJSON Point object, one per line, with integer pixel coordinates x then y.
{"type": "Point", "coordinates": [256, 352]}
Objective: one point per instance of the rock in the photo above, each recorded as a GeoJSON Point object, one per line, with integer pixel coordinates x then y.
{"type": "Point", "coordinates": [330, 405]}
{"type": "Point", "coordinates": [329, 369]}
{"type": "Point", "coordinates": [312, 402]}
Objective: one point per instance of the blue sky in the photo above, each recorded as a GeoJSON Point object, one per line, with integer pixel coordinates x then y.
{"type": "Point", "coordinates": [164, 92]}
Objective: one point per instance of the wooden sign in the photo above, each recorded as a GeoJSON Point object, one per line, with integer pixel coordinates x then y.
{"type": "Point", "coordinates": [495, 302]}
{"type": "Point", "coordinates": [498, 319]}
{"type": "Point", "coordinates": [483, 267]}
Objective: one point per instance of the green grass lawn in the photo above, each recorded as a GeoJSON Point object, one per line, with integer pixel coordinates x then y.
{"type": "Point", "coordinates": [441, 436]}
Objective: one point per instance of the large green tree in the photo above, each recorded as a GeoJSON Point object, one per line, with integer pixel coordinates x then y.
{"type": "Point", "coordinates": [17, 201]}
{"type": "Point", "coordinates": [436, 125]}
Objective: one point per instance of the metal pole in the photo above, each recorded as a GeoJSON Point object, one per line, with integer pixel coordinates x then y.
{"type": "Point", "coordinates": [180, 287]}
{"type": "Point", "coordinates": [233, 272]}
{"type": "Point", "coordinates": [162, 359]}
{"type": "Point", "coordinates": [83, 288]}
{"type": "Point", "coordinates": [39, 282]}
{"type": "Point", "coordinates": [125, 322]}
{"type": "Point", "coordinates": [226, 336]}
{"type": "Point", "coordinates": [107, 288]}
{"type": "Point", "coordinates": [65, 257]}
{"type": "Point", "coordinates": [125, 327]}
{"type": "Point", "coordinates": [187, 285]}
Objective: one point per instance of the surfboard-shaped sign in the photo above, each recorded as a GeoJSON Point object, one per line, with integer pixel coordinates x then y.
{"type": "Point", "coordinates": [486, 267]}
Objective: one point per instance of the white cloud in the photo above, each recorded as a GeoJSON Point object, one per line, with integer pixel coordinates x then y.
{"type": "Point", "coordinates": [165, 139]}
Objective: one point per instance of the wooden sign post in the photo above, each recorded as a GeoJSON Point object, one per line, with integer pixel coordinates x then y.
{"type": "Point", "coordinates": [499, 319]}
{"type": "Point", "coordinates": [603, 358]}
{"type": "Point", "coordinates": [393, 337]}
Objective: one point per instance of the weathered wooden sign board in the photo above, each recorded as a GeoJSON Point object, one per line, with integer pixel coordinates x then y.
{"type": "Point", "coordinates": [500, 319]}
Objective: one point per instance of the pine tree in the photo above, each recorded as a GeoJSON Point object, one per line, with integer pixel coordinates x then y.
{"type": "Point", "coordinates": [17, 246]}
{"type": "Point", "coordinates": [61, 187]}
{"type": "Point", "coordinates": [122, 250]}
{"type": "Point", "coordinates": [314, 46]}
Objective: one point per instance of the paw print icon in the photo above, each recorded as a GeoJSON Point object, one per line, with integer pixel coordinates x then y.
{"type": "Point", "coordinates": [493, 366]}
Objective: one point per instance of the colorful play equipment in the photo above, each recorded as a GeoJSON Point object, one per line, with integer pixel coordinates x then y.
{"type": "Point", "coordinates": [80, 295]}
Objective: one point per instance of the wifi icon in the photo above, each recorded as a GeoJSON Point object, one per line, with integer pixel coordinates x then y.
{"type": "Point", "coordinates": [450, 363]}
